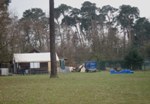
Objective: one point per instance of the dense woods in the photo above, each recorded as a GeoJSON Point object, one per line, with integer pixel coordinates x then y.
{"type": "Point", "coordinates": [86, 33]}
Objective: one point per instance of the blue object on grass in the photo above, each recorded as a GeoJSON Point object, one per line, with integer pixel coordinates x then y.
{"type": "Point", "coordinates": [91, 65]}
{"type": "Point", "coordinates": [124, 71]}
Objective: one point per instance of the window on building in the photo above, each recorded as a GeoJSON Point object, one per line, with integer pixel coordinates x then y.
{"type": "Point", "coordinates": [34, 65]}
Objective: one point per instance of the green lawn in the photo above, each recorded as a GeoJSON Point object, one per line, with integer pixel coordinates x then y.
{"type": "Point", "coordinates": [76, 88]}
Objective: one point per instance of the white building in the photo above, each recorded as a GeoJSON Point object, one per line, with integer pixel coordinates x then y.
{"type": "Point", "coordinates": [32, 62]}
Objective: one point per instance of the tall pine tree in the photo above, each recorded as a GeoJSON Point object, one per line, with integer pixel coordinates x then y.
{"type": "Point", "coordinates": [4, 21]}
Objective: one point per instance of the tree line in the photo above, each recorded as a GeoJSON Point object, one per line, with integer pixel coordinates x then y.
{"type": "Point", "coordinates": [86, 33]}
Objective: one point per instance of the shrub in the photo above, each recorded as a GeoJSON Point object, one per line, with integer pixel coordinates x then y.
{"type": "Point", "coordinates": [133, 60]}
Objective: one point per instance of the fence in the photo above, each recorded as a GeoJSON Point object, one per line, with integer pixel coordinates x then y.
{"type": "Point", "coordinates": [103, 65]}
{"type": "Point", "coordinates": [146, 65]}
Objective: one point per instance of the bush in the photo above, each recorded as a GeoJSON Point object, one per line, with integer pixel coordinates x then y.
{"type": "Point", "coordinates": [134, 60]}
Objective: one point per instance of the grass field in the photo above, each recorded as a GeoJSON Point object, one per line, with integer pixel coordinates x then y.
{"type": "Point", "coordinates": [76, 88]}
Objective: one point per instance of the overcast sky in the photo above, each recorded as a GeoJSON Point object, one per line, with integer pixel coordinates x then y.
{"type": "Point", "coordinates": [19, 6]}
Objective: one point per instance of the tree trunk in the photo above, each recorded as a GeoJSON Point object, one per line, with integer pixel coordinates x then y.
{"type": "Point", "coordinates": [52, 41]}
{"type": "Point", "coordinates": [124, 42]}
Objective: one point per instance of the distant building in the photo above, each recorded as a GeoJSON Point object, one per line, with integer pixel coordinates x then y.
{"type": "Point", "coordinates": [32, 62]}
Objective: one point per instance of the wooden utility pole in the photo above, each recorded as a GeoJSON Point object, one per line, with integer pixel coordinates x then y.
{"type": "Point", "coordinates": [53, 73]}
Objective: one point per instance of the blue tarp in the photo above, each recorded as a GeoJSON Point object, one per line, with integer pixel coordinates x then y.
{"type": "Point", "coordinates": [124, 71]}
{"type": "Point", "coordinates": [91, 65]}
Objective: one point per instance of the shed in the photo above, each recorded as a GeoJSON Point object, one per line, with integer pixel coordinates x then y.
{"type": "Point", "coordinates": [32, 62]}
